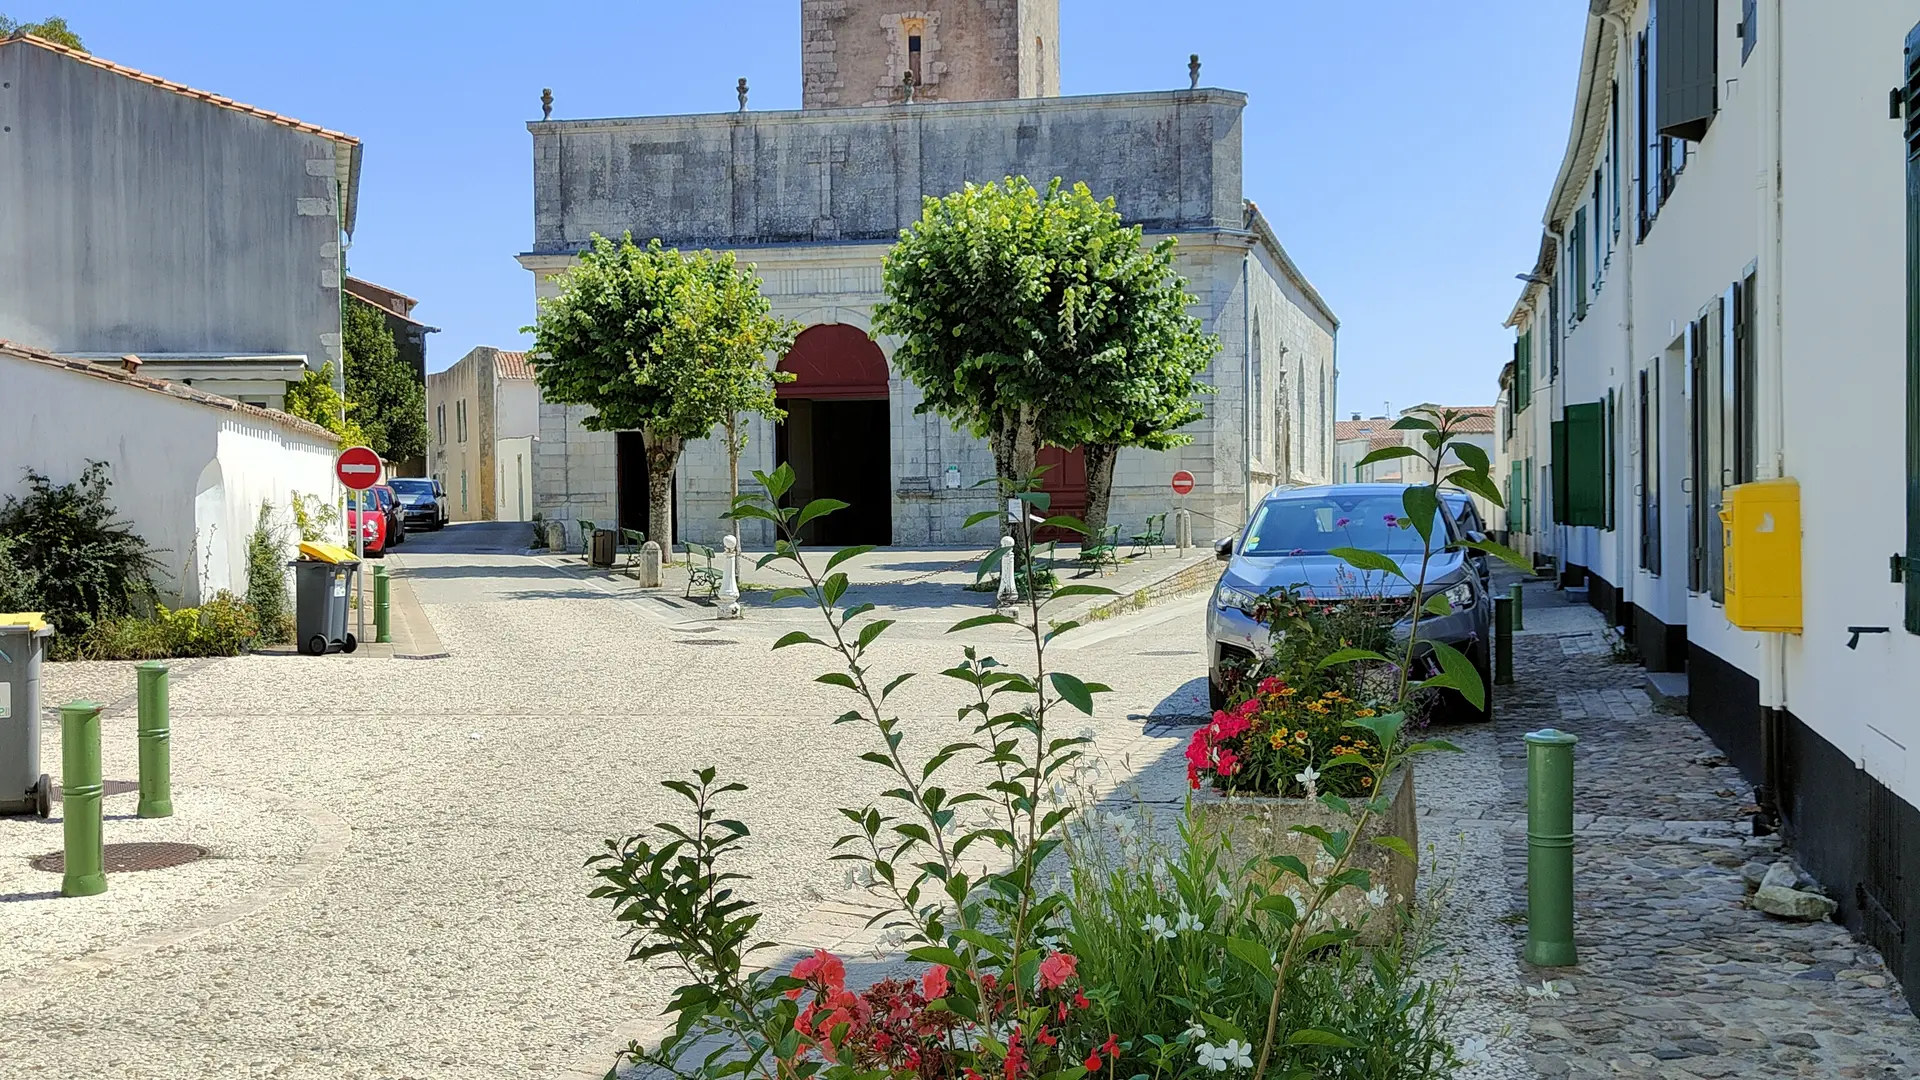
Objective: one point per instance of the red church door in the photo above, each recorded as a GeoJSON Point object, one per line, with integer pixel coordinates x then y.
{"type": "Point", "coordinates": [1065, 480]}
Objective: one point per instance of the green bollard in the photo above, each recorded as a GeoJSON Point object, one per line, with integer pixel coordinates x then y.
{"type": "Point", "coordinates": [1519, 605]}
{"type": "Point", "coordinates": [80, 799]}
{"type": "Point", "coordinates": [1503, 640]}
{"type": "Point", "coordinates": [156, 742]}
{"type": "Point", "coordinates": [382, 616]}
{"type": "Point", "coordinates": [1550, 848]}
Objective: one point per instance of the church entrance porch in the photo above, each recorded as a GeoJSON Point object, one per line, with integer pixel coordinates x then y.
{"type": "Point", "coordinates": [634, 499]}
{"type": "Point", "coordinates": [836, 437]}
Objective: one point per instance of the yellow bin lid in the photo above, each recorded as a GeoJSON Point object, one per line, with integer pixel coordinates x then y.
{"type": "Point", "coordinates": [332, 553]}
{"type": "Point", "coordinates": [32, 620]}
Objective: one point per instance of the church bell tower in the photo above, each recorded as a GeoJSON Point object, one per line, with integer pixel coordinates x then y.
{"type": "Point", "coordinates": [886, 52]}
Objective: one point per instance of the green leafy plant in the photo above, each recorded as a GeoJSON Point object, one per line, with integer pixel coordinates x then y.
{"type": "Point", "coordinates": [389, 402]}
{"type": "Point", "coordinates": [1032, 318]}
{"type": "Point", "coordinates": [669, 344]}
{"type": "Point", "coordinates": [267, 578]}
{"type": "Point", "coordinates": [223, 626]}
{"type": "Point", "coordinates": [314, 518]}
{"type": "Point", "coordinates": [72, 556]}
{"type": "Point", "coordinates": [52, 28]}
{"type": "Point", "coordinates": [316, 400]}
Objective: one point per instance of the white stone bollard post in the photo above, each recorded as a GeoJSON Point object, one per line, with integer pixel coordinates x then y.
{"type": "Point", "coordinates": [1008, 593]}
{"type": "Point", "coordinates": [730, 577]}
{"type": "Point", "coordinates": [1182, 529]}
{"type": "Point", "coordinates": [650, 565]}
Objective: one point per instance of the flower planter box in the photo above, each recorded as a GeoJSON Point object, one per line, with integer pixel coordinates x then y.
{"type": "Point", "coordinates": [1260, 826]}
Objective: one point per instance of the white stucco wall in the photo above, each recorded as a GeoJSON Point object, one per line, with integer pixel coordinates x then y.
{"type": "Point", "coordinates": [189, 477]}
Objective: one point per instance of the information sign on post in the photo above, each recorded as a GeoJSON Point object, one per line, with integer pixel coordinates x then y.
{"type": "Point", "coordinates": [358, 468]}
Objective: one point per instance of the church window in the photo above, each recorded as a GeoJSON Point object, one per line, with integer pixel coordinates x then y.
{"type": "Point", "coordinates": [913, 57]}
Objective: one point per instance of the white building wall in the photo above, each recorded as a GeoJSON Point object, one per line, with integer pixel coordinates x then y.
{"type": "Point", "coordinates": [189, 477]}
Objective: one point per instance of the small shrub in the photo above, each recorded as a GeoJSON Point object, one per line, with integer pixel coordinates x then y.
{"type": "Point", "coordinates": [19, 585]}
{"type": "Point", "coordinates": [67, 545]}
{"type": "Point", "coordinates": [267, 578]}
{"type": "Point", "coordinates": [313, 517]}
{"type": "Point", "coordinates": [223, 626]}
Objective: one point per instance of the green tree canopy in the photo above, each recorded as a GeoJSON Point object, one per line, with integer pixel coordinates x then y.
{"type": "Point", "coordinates": [669, 344]}
{"type": "Point", "coordinates": [1031, 317]}
{"type": "Point", "coordinates": [385, 398]}
{"type": "Point", "coordinates": [53, 28]}
{"type": "Point", "coordinates": [315, 400]}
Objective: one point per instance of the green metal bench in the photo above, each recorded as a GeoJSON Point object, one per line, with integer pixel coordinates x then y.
{"type": "Point", "coordinates": [705, 577]}
{"type": "Point", "coordinates": [587, 529]}
{"type": "Point", "coordinates": [1145, 542]}
{"type": "Point", "coordinates": [1103, 552]}
{"type": "Point", "coordinates": [635, 540]}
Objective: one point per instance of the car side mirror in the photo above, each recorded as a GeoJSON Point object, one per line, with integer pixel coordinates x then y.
{"type": "Point", "coordinates": [1223, 549]}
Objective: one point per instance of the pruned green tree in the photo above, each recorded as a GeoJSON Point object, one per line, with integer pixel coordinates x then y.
{"type": "Point", "coordinates": [385, 398]}
{"type": "Point", "coordinates": [669, 344]}
{"type": "Point", "coordinates": [1030, 317]}
{"type": "Point", "coordinates": [52, 28]}
{"type": "Point", "coordinates": [315, 400]}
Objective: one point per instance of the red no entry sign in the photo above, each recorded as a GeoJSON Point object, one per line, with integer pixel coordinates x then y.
{"type": "Point", "coordinates": [1182, 482]}
{"type": "Point", "coordinates": [358, 467]}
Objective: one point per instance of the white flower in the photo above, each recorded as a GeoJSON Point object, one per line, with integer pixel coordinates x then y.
{"type": "Point", "coordinates": [1220, 890]}
{"type": "Point", "coordinates": [1186, 921]}
{"type": "Point", "coordinates": [1473, 1051]}
{"type": "Point", "coordinates": [1544, 990]}
{"type": "Point", "coordinates": [1156, 926]}
{"type": "Point", "coordinates": [1196, 1030]}
{"type": "Point", "coordinates": [1307, 778]}
{"type": "Point", "coordinates": [1377, 895]}
{"type": "Point", "coordinates": [1212, 1058]}
{"type": "Point", "coordinates": [1238, 1053]}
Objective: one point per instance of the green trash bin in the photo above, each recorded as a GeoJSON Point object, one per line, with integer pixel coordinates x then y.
{"type": "Point", "coordinates": [321, 577]}
{"type": "Point", "coordinates": [24, 789]}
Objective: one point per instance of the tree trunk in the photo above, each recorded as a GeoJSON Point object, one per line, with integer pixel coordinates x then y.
{"type": "Point", "coordinates": [1099, 458]}
{"type": "Point", "coordinates": [733, 459]}
{"type": "Point", "coordinates": [1015, 441]}
{"type": "Point", "coordinates": [663, 456]}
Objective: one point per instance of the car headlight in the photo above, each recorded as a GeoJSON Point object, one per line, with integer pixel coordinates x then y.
{"type": "Point", "coordinates": [1460, 596]}
{"type": "Point", "coordinates": [1242, 599]}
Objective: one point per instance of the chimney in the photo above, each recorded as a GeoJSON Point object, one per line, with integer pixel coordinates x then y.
{"type": "Point", "coordinates": [130, 364]}
{"type": "Point", "coordinates": [1356, 416]}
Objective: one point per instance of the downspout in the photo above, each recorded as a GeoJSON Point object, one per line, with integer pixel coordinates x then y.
{"type": "Point", "coordinates": [1771, 460]}
{"type": "Point", "coordinates": [1628, 581]}
{"type": "Point", "coordinates": [1246, 379]}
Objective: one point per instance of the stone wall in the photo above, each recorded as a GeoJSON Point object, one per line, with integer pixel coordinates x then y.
{"type": "Point", "coordinates": [854, 52]}
{"type": "Point", "coordinates": [1171, 161]}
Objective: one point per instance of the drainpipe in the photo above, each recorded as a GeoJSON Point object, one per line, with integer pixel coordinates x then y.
{"type": "Point", "coordinates": [1771, 404]}
{"type": "Point", "coordinates": [1246, 379]}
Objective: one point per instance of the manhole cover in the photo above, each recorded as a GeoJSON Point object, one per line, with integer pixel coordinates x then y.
{"type": "Point", "coordinates": [127, 858]}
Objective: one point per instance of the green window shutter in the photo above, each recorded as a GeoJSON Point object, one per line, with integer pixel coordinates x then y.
{"type": "Point", "coordinates": [1912, 575]}
{"type": "Point", "coordinates": [1585, 483]}
{"type": "Point", "coordinates": [1687, 60]}
{"type": "Point", "coordinates": [1608, 461]}
{"type": "Point", "coordinates": [1524, 390]}
{"type": "Point", "coordinates": [1516, 499]}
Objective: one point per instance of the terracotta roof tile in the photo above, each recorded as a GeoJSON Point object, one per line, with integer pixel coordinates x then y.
{"type": "Point", "coordinates": [512, 365]}
{"type": "Point", "coordinates": [1343, 430]}
{"type": "Point", "coordinates": [188, 91]}
{"type": "Point", "coordinates": [161, 386]}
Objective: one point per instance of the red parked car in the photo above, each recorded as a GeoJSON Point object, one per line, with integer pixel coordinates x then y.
{"type": "Point", "coordinates": [372, 526]}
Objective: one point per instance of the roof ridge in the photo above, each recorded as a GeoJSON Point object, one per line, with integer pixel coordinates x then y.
{"type": "Point", "coordinates": [179, 88]}
{"type": "Point", "coordinates": [179, 391]}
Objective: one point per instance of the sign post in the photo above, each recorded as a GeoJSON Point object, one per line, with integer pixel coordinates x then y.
{"type": "Point", "coordinates": [358, 468]}
{"type": "Point", "coordinates": [1182, 519]}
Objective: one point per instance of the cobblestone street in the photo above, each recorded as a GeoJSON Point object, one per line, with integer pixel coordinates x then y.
{"type": "Point", "coordinates": [1677, 977]}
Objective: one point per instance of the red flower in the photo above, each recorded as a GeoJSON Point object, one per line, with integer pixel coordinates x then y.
{"type": "Point", "coordinates": [823, 966]}
{"type": "Point", "coordinates": [1111, 1047]}
{"type": "Point", "coordinates": [1092, 1064]}
{"type": "Point", "coordinates": [1272, 684]}
{"type": "Point", "coordinates": [935, 981]}
{"type": "Point", "coordinates": [1227, 763]}
{"type": "Point", "coordinates": [1249, 707]}
{"type": "Point", "coordinates": [1080, 1000]}
{"type": "Point", "coordinates": [1056, 969]}
{"type": "Point", "coordinates": [1047, 1038]}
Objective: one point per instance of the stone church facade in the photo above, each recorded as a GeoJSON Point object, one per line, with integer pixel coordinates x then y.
{"type": "Point", "coordinates": [815, 197]}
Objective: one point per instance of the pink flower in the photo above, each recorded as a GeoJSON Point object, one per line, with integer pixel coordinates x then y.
{"type": "Point", "coordinates": [1056, 969]}
{"type": "Point", "coordinates": [824, 967]}
{"type": "Point", "coordinates": [1390, 519]}
{"type": "Point", "coordinates": [935, 982]}
{"type": "Point", "coordinates": [1226, 762]}
{"type": "Point", "coordinates": [1248, 708]}
{"type": "Point", "coordinates": [1272, 684]}
{"type": "Point", "coordinates": [1199, 756]}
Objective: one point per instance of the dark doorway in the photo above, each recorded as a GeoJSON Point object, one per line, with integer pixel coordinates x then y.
{"type": "Point", "coordinates": [1064, 479]}
{"type": "Point", "coordinates": [835, 437]}
{"type": "Point", "coordinates": [838, 450]}
{"type": "Point", "coordinates": [631, 494]}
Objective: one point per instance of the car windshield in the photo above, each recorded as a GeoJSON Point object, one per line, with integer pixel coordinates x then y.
{"type": "Point", "coordinates": [1315, 524]}
{"type": "Point", "coordinates": [374, 498]}
{"type": "Point", "coordinates": [413, 488]}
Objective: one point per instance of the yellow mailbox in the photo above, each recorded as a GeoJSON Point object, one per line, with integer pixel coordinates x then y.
{"type": "Point", "coordinates": [1761, 525]}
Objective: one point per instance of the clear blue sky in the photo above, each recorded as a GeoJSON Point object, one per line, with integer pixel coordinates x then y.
{"type": "Point", "coordinates": [1402, 150]}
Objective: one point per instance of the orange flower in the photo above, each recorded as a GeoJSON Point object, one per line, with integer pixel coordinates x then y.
{"type": "Point", "coordinates": [1346, 738]}
{"type": "Point", "coordinates": [1366, 781]}
{"type": "Point", "coordinates": [1364, 713]}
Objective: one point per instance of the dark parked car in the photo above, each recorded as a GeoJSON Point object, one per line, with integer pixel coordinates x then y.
{"type": "Point", "coordinates": [1288, 543]}
{"type": "Point", "coordinates": [424, 501]}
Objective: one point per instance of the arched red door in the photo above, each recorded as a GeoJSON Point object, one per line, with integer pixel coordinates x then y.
{"type": "Point", "coordinates": [835, 436]}
{"type": "Point", "coordinates": [1065, 481]}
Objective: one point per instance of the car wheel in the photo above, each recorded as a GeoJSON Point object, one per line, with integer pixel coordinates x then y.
{"type": "Point", "coordinates": [1463, 710]}
{"type": "Point", "coordinates": [1216, 696]}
